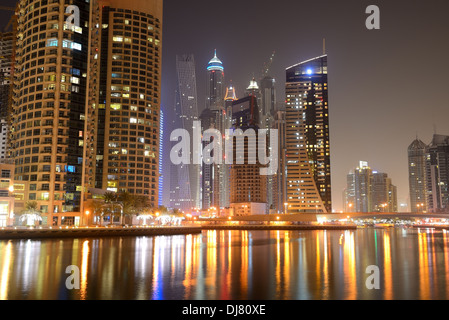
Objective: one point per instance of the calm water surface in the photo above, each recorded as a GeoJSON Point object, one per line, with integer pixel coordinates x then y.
{"type": "Point", "coordinates": [222, 265]}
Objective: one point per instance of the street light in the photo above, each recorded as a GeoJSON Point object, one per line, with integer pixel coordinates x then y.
{"type": "Point", "coordinates": [285, 204]}
{"type": "Point", "coordinates": [87, 217]}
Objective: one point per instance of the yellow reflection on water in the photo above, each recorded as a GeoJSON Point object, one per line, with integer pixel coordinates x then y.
{"type": "Point", "coordinates": [5, 272]}
{"type": "Point", "coordinates": [244, 265]}
{"type": "Point", "coordinates": [211, 259]}
{"type": "Point", "coordinates": [187, 282]}
{"type": "Point", "coordinates": [326, 266]}
{"type": "Point", "coordinates": [350, 272]}
{"type": "Point", "coordinates": [287, 263]}
{"type": "Point", "coordinates": [388, 285]}
{"type": "Point", "coordinates": [84, 265]}
{"type": "Point", "coordinates": [318, 260]}
{"type": "Point", "coordinates": [446, 261]}
{"type": "Point", "coordinates": [278, 261]}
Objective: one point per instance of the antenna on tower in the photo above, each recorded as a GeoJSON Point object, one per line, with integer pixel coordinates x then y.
{"type": "Point", "coordinates": [324, 46]}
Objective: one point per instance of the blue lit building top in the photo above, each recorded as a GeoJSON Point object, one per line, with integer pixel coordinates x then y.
{"type": "Point", "coordinates": [215, 64]}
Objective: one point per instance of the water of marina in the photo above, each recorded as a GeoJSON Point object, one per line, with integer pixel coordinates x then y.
{"type": "Point", "coordinates": [230, 265]}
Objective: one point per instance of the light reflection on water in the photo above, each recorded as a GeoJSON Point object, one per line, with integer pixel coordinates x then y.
{"type": "Point", "coordinates": [224, 265]}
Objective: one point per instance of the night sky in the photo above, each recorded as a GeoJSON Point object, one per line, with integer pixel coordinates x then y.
{"type": "Point", "coordinates": [385, 86]}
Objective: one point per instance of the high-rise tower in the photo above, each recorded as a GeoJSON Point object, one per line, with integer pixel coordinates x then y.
{"type": "Point", "coordinates": [307, 137]}
{"type": "Point", "coordinates": [215, 83]}
{"type": "Point", "coordinates": [188, 176]}
{"type": "Point", "coordinates": [248, 186]}
{"type": "Point", "coordinates": [215, 177]}
{"type": "Point", "coordinates": [47, 132]}
{"type": "Point", "coordinates": [86, 102]}
{"type": "Point", "coordinates": [126, 96]}
{"type": "Point", "coordinates": [417, 175]}
{"type": "Point", "coordinates": [437, 174]}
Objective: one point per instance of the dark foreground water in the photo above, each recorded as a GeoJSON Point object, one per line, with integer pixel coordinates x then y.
{"type": "Point", "coordinates": [222, 265]}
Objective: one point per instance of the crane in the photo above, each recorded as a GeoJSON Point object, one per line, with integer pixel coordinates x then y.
{"type": "Point", "coordinates": [12, 18]}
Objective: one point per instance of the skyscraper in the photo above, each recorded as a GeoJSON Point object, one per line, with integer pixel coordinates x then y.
{"type": "Point", "coordinates": [161, 152]}
{"type": "Point", "coordinates": [86, 104]}
{"type": "Point", "coordinates": [417, 175]}
{"type": "Point", "coordinates": [248, 186]}
{"type": "Point", "coordinates": [437, 174]}
{"type": "Point", "coordinates": [49, 107]}
{"type": "Point", "coordinates": [307, 137]}
{"type": "Point", "coordinates": [7, 49]}
{"type": "Point", "coordinates": [279, 185]}
{"type": "Point", "coordinates": [215, 177]}
{"type": "Point", "coordinates": [186, 178]}
{"type": "Point", "coordinates": [215, 83]}
{"type": "Point", "coordinates": [127, 96]}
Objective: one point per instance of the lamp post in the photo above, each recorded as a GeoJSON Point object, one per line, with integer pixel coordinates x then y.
{"type": "Point", "coordinates": [86, 217]}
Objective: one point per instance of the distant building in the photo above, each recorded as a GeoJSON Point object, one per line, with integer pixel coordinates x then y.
{"type": "Point", "coordinates": [307, 138]}
{"type": "Point", "coordinates": [417, 175]}
{"type": "Point", "coordinates": [369, 191]}
{"type": "Point", "coordinates": [437, 174]}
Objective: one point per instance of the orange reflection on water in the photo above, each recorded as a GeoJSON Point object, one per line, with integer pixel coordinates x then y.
{"type": "Point", "coordinates": [244, 265]}
{"type": "Point", "coordinates": [278, 261]}
{"type": "Point", "coordinates": [423, 267]}
{"type": "Point", "coordinates": [211, 259]}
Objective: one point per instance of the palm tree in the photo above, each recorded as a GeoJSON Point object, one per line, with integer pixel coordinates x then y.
{"type": "Point", "coordinates": [111, 205]}
{"type": "Point", "coordinates": [128, 202]}
{"type": "Point", "coordinates": [31, 213]}
{"type": "Point", "coordinates": [96, 207]}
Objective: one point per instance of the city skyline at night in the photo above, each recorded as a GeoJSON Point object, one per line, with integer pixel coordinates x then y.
{"type": "Point", "coordinates": [229, 151]}
{"type": "Point", "coordinates": [347, 41]}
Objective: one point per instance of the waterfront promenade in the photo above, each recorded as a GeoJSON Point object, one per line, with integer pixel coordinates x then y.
{"type": "Point", "coordinates": [11, 233]}
{"type": "Point", "coordinates": [93, 232]}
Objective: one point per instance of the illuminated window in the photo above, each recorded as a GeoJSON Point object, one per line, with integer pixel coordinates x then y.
{"type": "Point", "coordinates": [52, 42]}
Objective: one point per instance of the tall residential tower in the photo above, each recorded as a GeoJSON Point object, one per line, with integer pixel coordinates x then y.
{"type": "Point", "coordinates": [417, 175]}
{"type": "Point", "coordinates": [307, 137]}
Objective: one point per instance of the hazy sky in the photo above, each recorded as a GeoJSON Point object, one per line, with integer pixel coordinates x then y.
{"type": "Point", "coordinates": [385, 86]}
